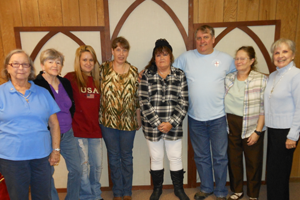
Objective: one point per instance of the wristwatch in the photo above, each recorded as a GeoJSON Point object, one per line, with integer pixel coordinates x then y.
{"type": "Point", "coordinates": [258, 132]}
{"type": "Point", "coordinates": [57, 149]}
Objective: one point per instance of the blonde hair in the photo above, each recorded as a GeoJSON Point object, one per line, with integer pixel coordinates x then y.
{"type": "Point", "coordinates": [5, 75]}
{"type": "Point", "coordinates": [81, 78]}
{"type": "Point", "coordinates": [52, 54]}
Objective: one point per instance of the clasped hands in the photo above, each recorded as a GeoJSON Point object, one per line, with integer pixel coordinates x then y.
{"type": "Point", "coordinates": [164, 127]}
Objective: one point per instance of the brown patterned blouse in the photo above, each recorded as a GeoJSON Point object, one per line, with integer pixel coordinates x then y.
{"type": "Point", "coordinates": [119, 99]}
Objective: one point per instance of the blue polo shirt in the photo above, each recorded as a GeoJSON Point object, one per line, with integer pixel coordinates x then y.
{"type": "Point", "coordinates": [23, 125]}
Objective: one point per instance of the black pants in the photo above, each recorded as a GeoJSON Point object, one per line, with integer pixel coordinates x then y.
{"type": "Point", "coordinates": [279, 165]}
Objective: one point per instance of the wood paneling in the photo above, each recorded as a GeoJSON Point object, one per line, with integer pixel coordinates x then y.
{"type": "Point", "coordinates": [267, 9]}
{"type": "Point", "coordinates": [210, 11]}
{"type": "Point", "coordinates": [88, 12]}
{"type": "Point", "coordinates": [30, 12]}
{"type": "Point", "coordinates": [230, 10]}
{"type": "Point", "coordinates": [10, 16]}
{"type": "Point", "coordinates": [70, 12]}
{"type": "Point", "coordinates": [50, 12]}
{"type": "Point", "coordinates": [287, 11]}
{"type": "Point", "coordinates": [100, 13]}
{"type": "Point", "coordinates": [248, 10]}
{"type": "Point", "coordinates": [2, 56]}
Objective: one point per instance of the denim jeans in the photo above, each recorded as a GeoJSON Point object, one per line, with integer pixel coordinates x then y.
{"type": "Point", "coordinates": [206, 135]}
{"type": "Point", "coordinates": [69, 151]}
{"type": "Point", "coordinates": [90, 151]}
{"type": "Point", "coordinates": [119, 146]}
{"type": "Point", "coordinates": [19, 175]}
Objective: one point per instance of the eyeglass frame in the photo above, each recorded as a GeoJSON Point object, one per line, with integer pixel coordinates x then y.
{"type": "Point", "coordinates": [11, 64]}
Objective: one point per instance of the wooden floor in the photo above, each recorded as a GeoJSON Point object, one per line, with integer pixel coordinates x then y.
{"type": "Point", "coordinates": [169, 195]}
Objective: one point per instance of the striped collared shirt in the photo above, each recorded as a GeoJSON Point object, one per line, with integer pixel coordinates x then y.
{"type": "Point", "coordinates": [253, 99]}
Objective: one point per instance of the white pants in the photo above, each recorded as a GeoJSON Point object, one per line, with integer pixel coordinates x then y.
{"type": "Point", "coordinates": [173, 149]}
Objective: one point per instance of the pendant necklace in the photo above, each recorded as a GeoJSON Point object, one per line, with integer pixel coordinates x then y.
{"type": "Point", "coordinates": [26, 98]}
{"type": "Point", "coordinates": [275, 84]}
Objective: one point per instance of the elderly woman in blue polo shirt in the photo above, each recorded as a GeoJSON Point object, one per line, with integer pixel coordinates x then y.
{"type": "Point", "coordinates": [26, 110]}
{"type": "Point", "coordinates": [282, 113]}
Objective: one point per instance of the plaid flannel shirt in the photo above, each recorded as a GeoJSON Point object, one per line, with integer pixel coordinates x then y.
{"type": "Point", "coordinates": [253, 99]}
{"type": "Point", "coordinates": [163, 100]}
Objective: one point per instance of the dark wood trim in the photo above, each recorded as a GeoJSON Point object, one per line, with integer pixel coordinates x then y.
{"type": "Point", "coordinates": [53, 30]}
{"type": "Point", "coordinates": [175, 19]}
{"type": "Point", "coordinates": [41, 43]}
{"type": "Point", "coordinates": [261, 46]}
{"type": "Point", "coordinates": [124, 17]}
{"type": "Point", "coordinates": [191, 22]}
{"type": "Point", "coordinates": [222, 34]}
{"type": "Point", "coordinates": [106, 53]}
{"type": "Point", "coordinates": [73, 37]}
{"type": "Point", "coordinates": [191, 165]}
{"type": "Point", "coordinates": [59, 28]}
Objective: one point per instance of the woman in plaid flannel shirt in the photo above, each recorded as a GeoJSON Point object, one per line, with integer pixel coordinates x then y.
{"type": "Point", "coordinates": [163, 95]}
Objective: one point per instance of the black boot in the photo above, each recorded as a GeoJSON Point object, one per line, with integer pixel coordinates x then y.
{"type": "Point", "coordinates": [177, 178]}
{"type": "Point", "coordinates": [158, 179]}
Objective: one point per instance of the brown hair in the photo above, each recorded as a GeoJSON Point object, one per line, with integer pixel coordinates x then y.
{"type": "Point", "coordinates": [251, 53]}
{"type": "Point", "coordinates": [160, 49]}
{"type": "Point", "coordinates": [205, 29]}
{"type": "Point", "coordinates": [120, 41]}
{"type": "Point", "coordinates": [81, 78]}
{"type": "Point", "coordinates": [6, 75]}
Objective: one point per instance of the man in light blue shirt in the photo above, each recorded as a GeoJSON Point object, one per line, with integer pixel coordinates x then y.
{"type": "Point", "coordinates": [205, 69]}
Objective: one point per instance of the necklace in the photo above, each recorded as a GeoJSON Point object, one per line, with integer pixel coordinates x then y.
{"type": "Point", "coordinates": [163, 73]}
{"type": "Point", "coordinates": [275, 83]}
{"type": "Point", "coordinates": [26, 98]}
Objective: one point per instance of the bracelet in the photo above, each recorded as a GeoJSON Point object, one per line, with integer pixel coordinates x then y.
{"type": "Point", "coordinates": [57, 149]}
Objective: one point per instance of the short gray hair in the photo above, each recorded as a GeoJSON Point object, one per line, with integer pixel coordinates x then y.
{"type": "Point", "coordinates": [290, 43]}
{"type": "Point", "coordinates": [5, 75]}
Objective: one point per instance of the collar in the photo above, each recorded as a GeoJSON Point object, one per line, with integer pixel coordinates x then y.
{"type": "Point", "coordinates": [12, 88]}
{"type": "Point", "coordinates": [152, 70]}
{"type": "Point", "coordinates": [283, 69]}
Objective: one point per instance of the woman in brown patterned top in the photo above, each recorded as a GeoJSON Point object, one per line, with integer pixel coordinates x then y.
{"type": "Point", "coordinates": [119, 116]}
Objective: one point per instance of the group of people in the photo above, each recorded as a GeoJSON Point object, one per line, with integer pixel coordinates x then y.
{"type": "Point", "coordinates": [45, 116]}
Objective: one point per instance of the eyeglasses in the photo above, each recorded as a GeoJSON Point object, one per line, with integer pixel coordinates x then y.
{"type": "Point", "coordinates": [17, 65]}
{"type": "Point", "coordinates": [241, 59]}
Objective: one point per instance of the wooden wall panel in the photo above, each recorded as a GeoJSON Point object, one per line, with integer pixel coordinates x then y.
{"type": "Point", "coordinates": [247, 10]}
{"type": "Point", "coordinates": [210, 11]}
{"type": "Point", "coordinates": [2, 56]}
{"type": "Point", "coordinates": [296, 161]}
{"type": "Point", "coordinates": [10, 16]}
{"type": "Point", "coordinates": [50, 12]}
{"type": "Point", "coordinates": [70, 12]}
{"type": "Point", "coordinates": [267, 9]}
{"type": "Point", "coordinates": [100, 13]}
{"type": "Point", "coordinates": [88, 12]}
{"type": "Point", "coordinates": [287, 11]}
{"type": "Point", "coordinates": [30, 12]}
{"type": "Point", "coordinates": [230, 10]}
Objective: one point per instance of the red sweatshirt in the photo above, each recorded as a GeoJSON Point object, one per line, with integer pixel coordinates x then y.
{"type": "Point", "coordinates": [87, 102]}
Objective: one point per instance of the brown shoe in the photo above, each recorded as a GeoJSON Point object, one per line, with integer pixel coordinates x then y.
{"type": "Point", "coordinates": [117, 198]}
{"type": "Point", "coordinates": [127, 198]}
{"type": "Point", "coordinates": [201, 195]}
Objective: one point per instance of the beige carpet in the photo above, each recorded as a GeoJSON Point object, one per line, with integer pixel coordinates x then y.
{"type": "Point", "coordinates": [169, 195]}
